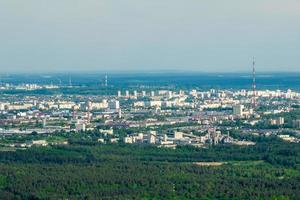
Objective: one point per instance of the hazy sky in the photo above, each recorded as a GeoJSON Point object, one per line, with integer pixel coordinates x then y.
{"type": "Point", "coordinates": [105, 35]}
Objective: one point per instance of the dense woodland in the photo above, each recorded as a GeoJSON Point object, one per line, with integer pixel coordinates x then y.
{"type": "Point", "coordinates": [89, 170]}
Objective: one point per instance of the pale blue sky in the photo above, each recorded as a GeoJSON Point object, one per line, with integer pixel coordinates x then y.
{"type": "Point", "coordinates": [105, 35]}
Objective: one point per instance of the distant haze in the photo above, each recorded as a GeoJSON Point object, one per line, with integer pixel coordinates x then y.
{"type": "Point", "coordinates": [143, 35]}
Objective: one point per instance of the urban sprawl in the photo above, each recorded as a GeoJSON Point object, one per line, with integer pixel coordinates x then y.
{"type": "Point", "coordinates": [166, 118]}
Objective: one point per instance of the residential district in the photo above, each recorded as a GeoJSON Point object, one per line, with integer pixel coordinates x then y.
{"type": "Point", "coordinates": [159, 117]}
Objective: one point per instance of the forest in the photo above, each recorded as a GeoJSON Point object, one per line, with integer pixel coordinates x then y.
{"type": "Point", "coordinates": [90, 170]}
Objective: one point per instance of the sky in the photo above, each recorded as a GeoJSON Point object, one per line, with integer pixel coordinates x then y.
{"type": "Point", "coordinates": [149, 35]}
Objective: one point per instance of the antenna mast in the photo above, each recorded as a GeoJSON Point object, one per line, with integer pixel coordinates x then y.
{"type": "Point", "coordinates": [106, 84]}
{"type": "Point", "coordinates": [253, 84]}
{"type": "Point", "coordinates": [70, 81]}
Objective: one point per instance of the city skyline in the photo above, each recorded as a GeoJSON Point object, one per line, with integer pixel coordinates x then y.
{"type": "Point", "coordinates": [171, 99]}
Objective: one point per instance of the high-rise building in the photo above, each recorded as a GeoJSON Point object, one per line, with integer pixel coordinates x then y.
{"type": "Point", "coordinates": [135, 93]}
{"type": "Point", "coordinates": [170, 94]}
{"type": "Point", "coordinates": [152, 137]}
{"type": "Point", "coordinates": [238, 110]}
{"type": "Point", "coordinates": [128, 140]}
{"type": "Point", "coordinates": [152, 93]}
{"type": "Point", "coordinates": [2, 106]}
{"type": "Point", "coordinates": [114, 105]}
{"type": "Point", "coordinates": [296, 123]}
{"type": "Point", "coordinates": [44, 122]}
{"type": "Point", "coordinates": [181, 93]}
{"type": "Point", "coordinates": [280, 121]}
{"type": "Point", "coordinates": [119, 93]}
{"type": "Point", "coordinates": [178, 135]}
{"type": "Point", "coordinates": [120, 113]}
{"type": "Point", "coordinates": [80, 126]}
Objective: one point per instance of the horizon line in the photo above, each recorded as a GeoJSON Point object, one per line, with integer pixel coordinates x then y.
{"type": "Point", "coordinates": [141, 72]}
